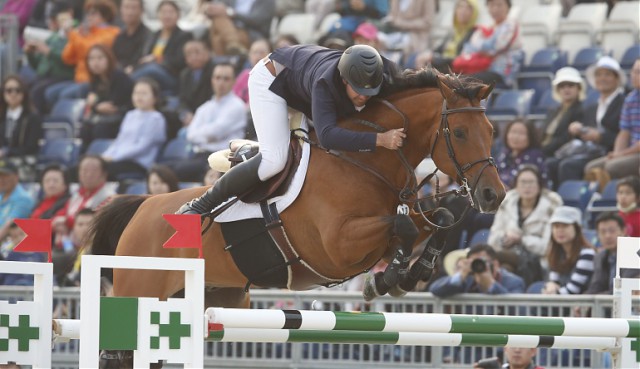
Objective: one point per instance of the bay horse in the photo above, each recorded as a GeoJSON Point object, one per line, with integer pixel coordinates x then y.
{"type": "Point", "coordinates": [345, 218]}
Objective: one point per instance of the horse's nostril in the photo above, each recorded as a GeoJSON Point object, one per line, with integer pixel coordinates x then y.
{"type": "Point", "coordinates": [489, 195]}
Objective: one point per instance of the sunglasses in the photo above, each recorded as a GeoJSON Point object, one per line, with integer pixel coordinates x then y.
{"type": "Point", "coordinates": [13, 90]}
{"type": "Point", "coordinates": [567, 84]}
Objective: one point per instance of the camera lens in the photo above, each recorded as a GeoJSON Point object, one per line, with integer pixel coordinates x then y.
{"type": "Point", "coordinates": [478, 266]}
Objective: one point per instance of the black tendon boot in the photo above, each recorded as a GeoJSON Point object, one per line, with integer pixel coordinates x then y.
{"type": "Point", "coordinates": [235, 182]}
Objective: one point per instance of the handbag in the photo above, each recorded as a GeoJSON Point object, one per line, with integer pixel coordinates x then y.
{"type": "Point", "coordinates": [579, 149]}
{"type": "Point", "coordinates": [477, 62]}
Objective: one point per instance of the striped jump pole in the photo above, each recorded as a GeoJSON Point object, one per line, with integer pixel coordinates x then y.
{"type": "Point", "coordinates": [409, 338]}
{"type": "Point", "coordinates": [224, 318]}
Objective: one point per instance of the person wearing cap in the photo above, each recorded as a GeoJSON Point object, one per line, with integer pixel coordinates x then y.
{"type": "Point", "coordinates": [20, 127]}
{"type": "Point", "coordinates": [624, 159]}
{"type": "Point", "coordinates": [325, 85]}
{"type": "Point", "coordinates": [569, 255]}
{"type": "Point", "coordinates": [493, 279]}
{"type": "Point", "coordinates": [600, 124]}
{"type": "Point", "coordinates": [569, 89]}
{"type": "Point", "coordinates": [366, 34]}
{"type": "Point", "coordinates": [15, 201]}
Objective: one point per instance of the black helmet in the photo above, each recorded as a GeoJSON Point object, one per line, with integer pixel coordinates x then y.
{"type": "Point", "coordinates": [361, 66]}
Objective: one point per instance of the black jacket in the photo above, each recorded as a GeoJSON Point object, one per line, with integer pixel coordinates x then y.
{"type": "Point", "coordinates": [561, 134]}
{"type": "Point", "coordinates": [25, 137]}
{"type": "Point", "coordinates": [610, 121]}
{"type": "Point", "coordinates": [312, 84]}
{"type": "Point", "coordinates": [193, 94]}
{"type": "Point", "coordinates": [173, 55]}
{"type": "Point", "coordinates": [258, 22]}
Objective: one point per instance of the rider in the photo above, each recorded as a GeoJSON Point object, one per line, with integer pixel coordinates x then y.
{"type": "Point", "coordinates": [322, 83]}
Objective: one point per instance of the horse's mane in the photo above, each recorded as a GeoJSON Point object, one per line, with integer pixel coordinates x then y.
{"type": "Point", "coordinates": [465, 86]}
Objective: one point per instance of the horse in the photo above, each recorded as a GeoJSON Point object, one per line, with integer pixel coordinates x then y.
{"type": "Point", "coordinates": [347, 215]}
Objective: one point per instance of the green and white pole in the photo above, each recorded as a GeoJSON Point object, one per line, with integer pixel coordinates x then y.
{"type": "Point", "coordinates": [409, 338]}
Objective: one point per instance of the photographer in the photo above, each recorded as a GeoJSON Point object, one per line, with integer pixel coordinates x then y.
{"type": "Point", "coordinates": [480, 272]}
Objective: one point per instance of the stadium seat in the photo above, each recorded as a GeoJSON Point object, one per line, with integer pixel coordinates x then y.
{"type": "Point", "coordinates": [538, 25]}
{"type": "Point", "coordinates": [601, 202]}
{"type": "Point", "coordinates": [53, 128]}
{"type": "Point", "coordinates": [629, 57]}
{"type": "Point", "coordinates": [480, 236]}
{"type": "Point", "coordinates": [136, 188]}
{"type": "Point", "coordinates": [580, 27]}
{"type": "Point", "coordinates": [586, 57]}
{"type": "Point", "coordinates": [539, 82]}
{"type": "Point", "coordinates": [176, 149]}
{"type": "Point", "coordinates": [545, 103]}
{"type": "Point", "coordinates": [98, 146]}
{"type": "Point", "coordinates": [592, 97]}
{"type": "Point", "coordinates": [591, 235]}
{"type": "Point", "coordinates": [510, 104]}
{"type": "Point", "coordinates": [621, 29]}
{"type": "Point", "coordinates": [62, 151]}
{"type": "Point", "coordinates": [576, 193]}
{"type": "Point", "coordinates": [67, 110]}
{"type": "Point", "coordinates": [546, 60]}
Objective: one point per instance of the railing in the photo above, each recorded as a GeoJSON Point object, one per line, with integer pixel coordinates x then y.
{"type": "Point", "coordinates": [303, 355]}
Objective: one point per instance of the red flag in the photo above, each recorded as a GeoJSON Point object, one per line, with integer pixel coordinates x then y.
{"type": "Point", "coordinates": [38, 237]}
{"type": "Point", "coordinates": [187, 234]}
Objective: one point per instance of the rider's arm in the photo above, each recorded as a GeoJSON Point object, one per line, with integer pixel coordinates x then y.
{"type": "Point", "coordinates": [330, 135]}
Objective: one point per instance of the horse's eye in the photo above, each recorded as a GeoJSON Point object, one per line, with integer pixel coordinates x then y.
{"type": "Point", "coordinates": [458, 133]}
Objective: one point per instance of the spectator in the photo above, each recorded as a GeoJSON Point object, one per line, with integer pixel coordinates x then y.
{"type": "Point", "coordinates": [236, 24]}
{"type": "Point", "coordinates": [480, 272]}
{"type": "Point", "coordinates": [520, 358]}
{"type": "Point", "coordinates": [195, 80]}
{"type": "Point", "coordinates": [258, 50]}
{"type": "Point", "coordinates": [570, 256]}
{"type": "Point", "coordinates": [130, 42]}
{"type": "Point", "coordinates": [596, 133]}
{"type": "Point", "coordinates": [520, 147]}
{"type": "Point", "coordinates": [55, 191]}
{"type": "Point", "coordinates": [78, 239]}
{"type": "Point", "coordinates": [161, 179]}
{"type": "Point", "coordinates": [501, 42]}
{"type": "Point", "coordinates": [93, 191]}
{"type": "Point", "coordinates": [46, 57]}
{"type": "Point", "coordinates": [284, 40]}
{"type": "Point", "coordinates": [95, 29]}
{"type": "Point", "coordinates": [366, 34]}
{"type": "Point", "coordinates": [624, 160]}
{"type": "Point", "coordinates": [109, 96]}
{"type": "Point", "coordinates": [164, 58]}
{"type": "Point", "coordinates": [569, 89]}
{"type": "Point", "coordinates": [521, 225]}
{"type": "Point", "coordinates": [354, 12]}
{"type": "Point", "coordinates": [610, 226]}
{"type": "Point", "coordinates": [42, 11]}
{"type": "Point", "coordinates": [215, 123]}
{"type": "Point", "coordinates": [408, 25]}
{"type": "Point", "coordinates": [15, 201]}
{"type": "Point", "coordinates": [628, 200]}
{"type": "Point", "coordinates": [141, 135]}
{"type": "Point", "coordinates": [465, 17]}
{"type": "Point", "coordinates": [16, 235]}
{"type": "Point", "coordinates": [21, 9]}
{"type": "Point", "coordinates": [20, 128]}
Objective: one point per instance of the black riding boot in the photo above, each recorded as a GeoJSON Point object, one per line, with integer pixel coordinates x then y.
{"type": "Point", "coordinates": [235, 182]}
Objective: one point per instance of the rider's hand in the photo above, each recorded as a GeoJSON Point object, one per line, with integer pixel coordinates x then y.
{"type": "Point", "coordinates": [392, 139]}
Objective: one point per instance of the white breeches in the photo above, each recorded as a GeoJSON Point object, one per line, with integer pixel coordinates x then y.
{"type": "Point", "coordinates": [270, 120]}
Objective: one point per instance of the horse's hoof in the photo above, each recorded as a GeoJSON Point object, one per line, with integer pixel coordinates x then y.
{"type": "Point", "coordinates": [369, 291]}
{"type": "Point", "coordinates": [396, 291]}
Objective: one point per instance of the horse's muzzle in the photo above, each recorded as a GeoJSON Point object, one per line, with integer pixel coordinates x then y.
{"type": "Point", "coordinates": [488, 200]}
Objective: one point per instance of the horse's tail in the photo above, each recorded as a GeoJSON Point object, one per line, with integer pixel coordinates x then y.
{"type": "Point", "coordinates": [110, 222]}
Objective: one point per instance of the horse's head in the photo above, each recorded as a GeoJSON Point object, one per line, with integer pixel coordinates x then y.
{"type": "Point", "coordinates": [462, 146]}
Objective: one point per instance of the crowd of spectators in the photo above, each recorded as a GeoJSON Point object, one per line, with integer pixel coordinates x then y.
{"type": "Point", "coordinates": [128, 72]}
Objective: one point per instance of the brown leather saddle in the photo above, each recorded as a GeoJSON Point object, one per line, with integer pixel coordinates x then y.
{"type": "Point", "coordinates": [278, 185]}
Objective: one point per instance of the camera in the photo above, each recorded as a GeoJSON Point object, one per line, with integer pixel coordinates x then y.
{"type": "Point", "coordinates": [479, 266]}
{"type": "Point", "coordinates": [490, 363]}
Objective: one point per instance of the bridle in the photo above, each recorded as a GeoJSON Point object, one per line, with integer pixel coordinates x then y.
{"type": "Point", "coordinates": [408, 193]}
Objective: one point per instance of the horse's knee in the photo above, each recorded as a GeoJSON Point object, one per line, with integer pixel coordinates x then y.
{"type": "Point", "coordinates": [404, 227]}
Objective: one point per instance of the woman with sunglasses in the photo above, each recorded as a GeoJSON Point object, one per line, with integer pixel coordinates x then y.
{"type": "Point", "coordinates": [20, 128]}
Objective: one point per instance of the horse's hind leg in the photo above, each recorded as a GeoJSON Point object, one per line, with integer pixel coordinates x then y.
{"type": "Point", "coordinates": [226, 297]}
{"type": "Point", "coordinates": [405, 233]}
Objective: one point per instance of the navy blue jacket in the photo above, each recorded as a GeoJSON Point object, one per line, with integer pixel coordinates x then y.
{"type": "Point", "coordinates": [312, 84]}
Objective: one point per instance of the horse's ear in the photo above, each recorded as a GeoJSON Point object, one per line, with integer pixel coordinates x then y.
{"type": "Point", "coordinates": [485, 91]}
{"type": "Point", "coordinates": [445, 90]}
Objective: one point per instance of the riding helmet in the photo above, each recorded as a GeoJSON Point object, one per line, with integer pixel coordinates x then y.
{"type": "Point", "coordinates": [361, 66]}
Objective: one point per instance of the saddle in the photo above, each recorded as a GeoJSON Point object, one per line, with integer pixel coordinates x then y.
{"type": "Point", "coordinates": [243, 150]}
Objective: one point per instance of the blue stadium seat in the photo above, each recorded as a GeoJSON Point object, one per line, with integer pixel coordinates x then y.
{"type": "Point", "coordinates": [62, 151]}
{"type": "Point", "coordinates": [576, 193]}
{"type": "Point", "coordinates": [630, 57]}
{"type": "Point", "coordinates": [591, 235]}
{"type": "Point", "coordinates": [185, 185]}
{"type": "Point", "coordinates": [511, 104]}
{"type": "Point", "coordinates": [53, 128]}
{"type": "Point", "coordinates": [68, 110]}
{"type": "Point", "coordinates": [176, 149]}
{"type": "Point", "coordinates": [586, 57]}
{"type": "Point", "coordinates": [537, 81]}
{"type": "Point", "coordinates": [546, 60]}
{"type": "Point", "coordinates": [98, 146]}
{"type": "Point", "coordinates": [136, 188]}
{"type": "Point", "coordinates": [545, 103]}
{"type": "Point", "coordinates": [592, 97]}
{"type": "Point", "coordinates": [480, 236]}
{"type": "Point", "coordinates": [605, 201]}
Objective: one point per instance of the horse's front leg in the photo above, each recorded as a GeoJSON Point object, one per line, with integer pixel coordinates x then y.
{"type": "Point", "coordinates": [404, 235]}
